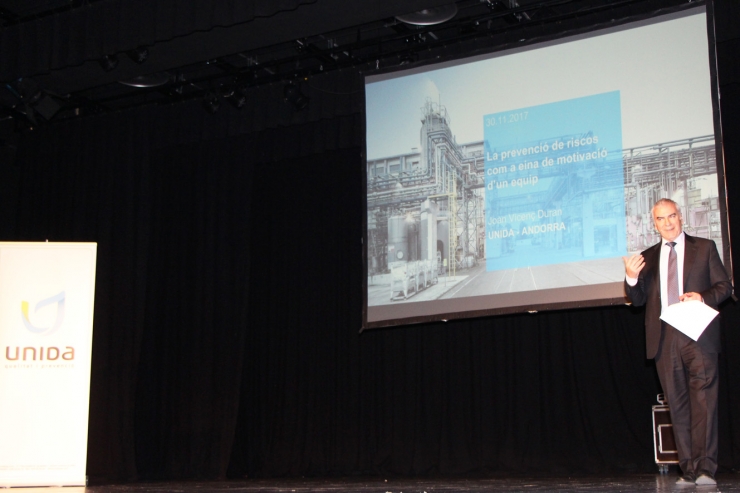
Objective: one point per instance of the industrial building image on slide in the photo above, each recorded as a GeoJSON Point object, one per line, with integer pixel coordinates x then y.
{"type": "Point", "coordinates": [426, 216]}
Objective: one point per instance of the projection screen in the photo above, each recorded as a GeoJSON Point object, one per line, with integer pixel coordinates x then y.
{"type": "Point", "coordinates": [515, 181]}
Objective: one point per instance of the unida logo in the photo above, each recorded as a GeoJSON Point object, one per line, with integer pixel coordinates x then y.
{"type": "Point", "coordinates": [47, 330]}
{"type": "Point", "coordinates": [41, 353]}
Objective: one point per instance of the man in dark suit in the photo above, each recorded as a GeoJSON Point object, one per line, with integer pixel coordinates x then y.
{"type": "Point", "coordinates": [682, 268]}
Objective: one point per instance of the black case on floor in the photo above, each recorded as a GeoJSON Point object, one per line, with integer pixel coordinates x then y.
{"type": "Point", "coordinates": [665, 444]}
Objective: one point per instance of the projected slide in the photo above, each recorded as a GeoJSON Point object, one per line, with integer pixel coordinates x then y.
{"type": "Point", "coordinates": [529, 152]}
{"type": "Point", "coordinates": [516, 181]}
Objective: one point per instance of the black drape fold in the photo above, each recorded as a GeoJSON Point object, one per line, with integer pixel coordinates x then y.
{"type": "Point", "coordinates": [188, 386]}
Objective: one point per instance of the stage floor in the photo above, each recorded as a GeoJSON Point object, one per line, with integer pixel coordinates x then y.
{"type": "Point", "coordinates": [727, 482]}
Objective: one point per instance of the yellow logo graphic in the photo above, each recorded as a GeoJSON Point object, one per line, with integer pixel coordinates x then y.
{"type": "Point", "coordinates": [59, 300]}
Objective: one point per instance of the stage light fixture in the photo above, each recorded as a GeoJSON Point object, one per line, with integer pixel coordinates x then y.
{"type": "Point", "coordinates": [407, 58]}
{"type": "Point", "coordinates": [149, 80]}
{"type": "Point", "coordinates": [237, 97]}
{"type": "Point", "coordinates": [177, 90]}
{"type": "Point", "coordinates": [25, 97]}
{"type": "Point", "coordinates": [138, 55]}
{"type": "Point", "coordinates": [500, 6]}
{"type": "Point", "coordinates": [295, 97]}
{"type": "Point", "coordinates": [109, 62]}
{"type": "Point", "coordinates": [211, 102]}
{"type": "Point", "coordinates": [26, 90]}
{"type": "Point", "coordinates": [46, 106]}
{"type": "Point", "coordinates": [431, 16]}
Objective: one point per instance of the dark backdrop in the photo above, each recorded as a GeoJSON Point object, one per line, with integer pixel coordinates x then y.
{"type": "Point", "coordinates": [228, 305]}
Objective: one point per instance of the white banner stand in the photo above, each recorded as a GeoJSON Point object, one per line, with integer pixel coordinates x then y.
{"type": "Point", "coordinates": [47, 292]}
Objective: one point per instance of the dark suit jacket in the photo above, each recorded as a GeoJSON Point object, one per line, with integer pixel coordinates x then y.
{"type": "Point", "coordinates": [703, 273]}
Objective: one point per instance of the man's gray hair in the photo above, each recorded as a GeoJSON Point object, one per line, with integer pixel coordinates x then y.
{"type": "Point", "coordinates": [664, 202]}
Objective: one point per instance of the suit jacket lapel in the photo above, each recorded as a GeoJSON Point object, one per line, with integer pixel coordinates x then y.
{"type": "Point", "coordinates": [689, 255]}
{"type": "Point", "coordinates": [652, 262]}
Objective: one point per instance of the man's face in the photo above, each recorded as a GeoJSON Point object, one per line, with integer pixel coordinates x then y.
{"type": "Point", "coordinates": [667, 221]}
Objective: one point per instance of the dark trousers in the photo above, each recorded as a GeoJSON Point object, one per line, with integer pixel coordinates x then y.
{"type": "Point", "coordinates": [689, 377]}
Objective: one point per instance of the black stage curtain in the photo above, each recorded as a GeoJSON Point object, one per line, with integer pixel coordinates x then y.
{"type": "Point", "coordinates": [228, 306]}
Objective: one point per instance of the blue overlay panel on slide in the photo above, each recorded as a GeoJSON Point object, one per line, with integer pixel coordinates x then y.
{"type": "Point", "coordinates": [554, 183]}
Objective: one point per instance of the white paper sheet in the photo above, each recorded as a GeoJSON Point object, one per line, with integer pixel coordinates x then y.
{"type": "Point", "coordinates": [690, 317]}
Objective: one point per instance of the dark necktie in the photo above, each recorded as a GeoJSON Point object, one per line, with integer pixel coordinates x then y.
{"type": "Point", "coordinates": [672, 274]}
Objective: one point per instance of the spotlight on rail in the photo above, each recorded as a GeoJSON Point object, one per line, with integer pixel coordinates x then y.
{"type": "Point", "coordinates": [139, 55]}
{"type": "Point", "coordinates": [109, 62]}
{"type": "Point", "coordinates": [430, 17]}
{"type": "Point", "coordinates": [407, 58]}
{"type": "Point", "coordinates": [238, 98]}
{"type": "Point", "coordinates": [211, 102]}
{"type": "Point", "coordinates": [25, 97]}
{"type": "Point", "coordinates": [295, 97]}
